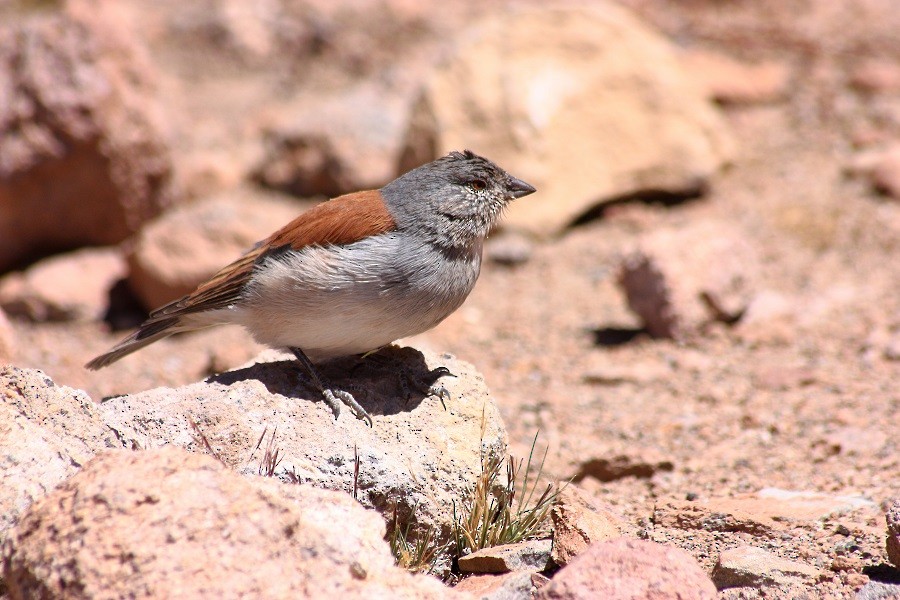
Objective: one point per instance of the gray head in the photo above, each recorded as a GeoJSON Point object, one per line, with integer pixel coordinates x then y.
{"type": "Point", "coordinates": [454, 200]}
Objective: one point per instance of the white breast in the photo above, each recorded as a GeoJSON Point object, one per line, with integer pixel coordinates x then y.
{"type": "Point", "coordinates": [337, 301]}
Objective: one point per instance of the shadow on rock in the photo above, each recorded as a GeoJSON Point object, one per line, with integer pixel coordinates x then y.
{"type": "Point", "coordinates": [386, 382]}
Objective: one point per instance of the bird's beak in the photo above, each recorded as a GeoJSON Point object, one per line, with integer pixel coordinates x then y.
{"type": "Point", "coordinates": [518, 188]}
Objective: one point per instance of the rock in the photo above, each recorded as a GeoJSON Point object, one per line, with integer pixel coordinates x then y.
{"type": "Point", "coordinates": [748, 566]}
{"type": "Point", "coordinates": [81, 137]}
{"type": "Point", "coordinates": [877, 590]}
{"type": "Point", "coordinates": [509, 249]}
{"type": "Point", "coordinates": [187, 245]}
{"type": "Point", "coordinates": [730, 81]}
{"type": "Point", "coordinates": [678, 279]}
{"type": "Point", "coordinates": [892, 348]}
{"type": "Point", "coordinates": [892, 516]}
{"type": "Point", "coordinates": [47, 433]}
{"type": "Point", "coordinates": [799, 505]}
{"type": "Point", "coordinates": [766, 513]}
{"type": "Point", "coordinates": [530, 555]}
{"type": "Point", "coordinates": [418, 456]}
{"type": "Point", "coordinates": [334, 145]}
{"type": "Point", "coordinates": [518, 585]}
{"type": "Point", "coordinates": [875, 76]}
{"type": "Point", "coordinates": [153, 523]}
{"type": "Point", "coordinates": [7, 339]}
{"type": "Point", "coordinates": [578, 523]}
{"type": "Point", "coordinates": [881, 167]}
{"type": "Point", "coordinates": [634, 569]}
{"type": "Point", "coordinates": [713, 516]}
{"type": "Point", "coordinates": [586, 104]}
{"type": "Point", "coordinates": [67, 287]}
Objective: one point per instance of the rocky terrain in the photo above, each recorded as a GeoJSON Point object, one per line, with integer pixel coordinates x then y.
{"type": "Point", "coordinates": [698, 314]}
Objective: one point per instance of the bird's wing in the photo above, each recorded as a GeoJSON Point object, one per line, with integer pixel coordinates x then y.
{"type": "Point", "coordinates": [343, 220]}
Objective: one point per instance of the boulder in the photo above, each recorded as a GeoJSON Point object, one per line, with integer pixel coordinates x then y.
{"type": "Point", "coordinates": [47, 433]}
{"type": "Point", "coordinates": [416, 462]}
{"type": "Point", "coordinates": [7, 339]}
{"type": "Point", "coordinates": [84, 158]}
{"type": "Point", "coordinates": [586, 104]}
{"type": "Point", "coordinates": [634, 569]}
{"type": "Point", "coordinates": [164, 523]}
{"type": "Point", "coordinates": [892, 516]}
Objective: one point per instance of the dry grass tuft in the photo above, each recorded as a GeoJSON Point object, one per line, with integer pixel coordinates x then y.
{"type": "Point", "coordinates": [500, 512]}
{"type": "Point", "coordinates": [419, 555]}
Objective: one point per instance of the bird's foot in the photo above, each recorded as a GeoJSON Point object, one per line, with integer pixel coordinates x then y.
{"type": "Point", "coordinates": [428, 385]}
{"type": "Point", "coordinates": [334, 398]}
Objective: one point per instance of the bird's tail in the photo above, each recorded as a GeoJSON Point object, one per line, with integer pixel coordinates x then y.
{"type": "Point", "coordinates": [151, 331]}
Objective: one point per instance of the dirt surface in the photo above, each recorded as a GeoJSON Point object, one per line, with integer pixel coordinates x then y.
{"type": "Point", "coordinates": [803, 396]}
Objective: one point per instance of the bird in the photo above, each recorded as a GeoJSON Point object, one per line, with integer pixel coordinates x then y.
{"type": "Point", "coordinates": [354, 273]}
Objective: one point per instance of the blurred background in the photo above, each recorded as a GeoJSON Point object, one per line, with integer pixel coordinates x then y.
{"type": "Point", "coordinates": [701, 299]}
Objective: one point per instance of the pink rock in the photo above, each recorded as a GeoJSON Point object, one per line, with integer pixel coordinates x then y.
{"type": "Point", "coordinates": [83, 158]}
{"type": "Point", "coordinates": [160, 522]}
{"type": "Point", "coordinates": [634, 569]}
{"type": "Point", "coordinates": [577, 523]}
{"type": "Point", "coordinates": [517, 584]}
{"type": "Point", "coordinates": [678, 279]}
{"type": "Point", "coordinates": [73, 286]}
{"type": "Point", "coordinates": [876, 76]}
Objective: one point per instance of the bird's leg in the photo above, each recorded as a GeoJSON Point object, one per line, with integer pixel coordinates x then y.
{"type": "Point", "coordinates": [333, 397]}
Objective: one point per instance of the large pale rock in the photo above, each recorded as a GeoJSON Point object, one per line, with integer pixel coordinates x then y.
{"type": "Point", "coordinates": [585, 104]}
{"type": "Point", "coordinates": [187, 245]}
{"type": "Point", "coordinates": [166, 523]}
{"type": "Point", "coordinates": [73, 286]}
{"type": "Point", "coordinates": [83, 154]}
{"type": "Point", "coordinates": [47, 432]}
{"type": "Point", "coordinates": [634, 569]}
{"type": "Point", "coordinates": [419, 457]}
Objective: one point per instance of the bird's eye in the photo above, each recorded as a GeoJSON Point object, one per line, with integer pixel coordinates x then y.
{"type": "Point", "coordinates": [478, 185]}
